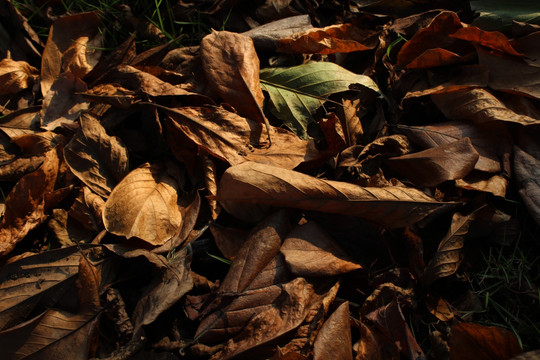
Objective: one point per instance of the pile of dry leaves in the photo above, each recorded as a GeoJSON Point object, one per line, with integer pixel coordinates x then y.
{"type": "Point", "coordinates": [318, 184]}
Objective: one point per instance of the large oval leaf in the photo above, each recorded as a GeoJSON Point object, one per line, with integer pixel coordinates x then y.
{"type": "Point", "coordinates": [297, 92]}
{"type": "Point", "coordinates": [144, 205]}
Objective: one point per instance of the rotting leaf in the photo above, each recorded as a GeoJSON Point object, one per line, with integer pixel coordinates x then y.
{"type": "Point", "coordinates": [297, 92]}
{"type": "Point", "coordinates": [334, 338]}
{"type": "Point", "coordinates": [248, 189]}
{"type": "Point", "coordinates": [144, 205]}
{"type": "Point", "coordinates": [310, 251]}
{"type": "Point", "coordinates": [16, 76]}
{"type": "Point", "coordinates": [433, 166]}
{"type": "Point", "coordinates": [97, 159]}
{"type": "Point", "coordinates": [111, 94]}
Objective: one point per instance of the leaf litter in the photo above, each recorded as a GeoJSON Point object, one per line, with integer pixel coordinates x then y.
{"type": "Point", "coordinates": [358, 163]}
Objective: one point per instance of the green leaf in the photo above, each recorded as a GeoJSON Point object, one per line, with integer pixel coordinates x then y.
{"type": "Point", "coordinates": [498, 14]}
{"type": "Point", "coordinates": [297, 92]}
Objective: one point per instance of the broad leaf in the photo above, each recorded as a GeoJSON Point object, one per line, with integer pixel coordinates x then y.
{"type": "Point", "coordinates": [334, 338]}
{"type": "Point", "coordinates": [16, 76]}
{"type": "Point", "coordinates": [297, 92]}
{"type": "Point", "coordinates": [248, 189]}
{"type": "Point", "coordinates": [144, 205]}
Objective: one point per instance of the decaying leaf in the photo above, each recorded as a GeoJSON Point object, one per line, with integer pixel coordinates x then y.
{"type": "Point", "coordinates": [97, 159]}
{"type": "Point", "coordinates": [527, 168]}
{"type": "Point", "coordinates": [248, 189]}
{"type": "Point", "coordinates": [144, 205]}
{"type": "Point", "coordinates": [16, 76]}
{"type": "Point", "coordinates": [310, 251]}
{"type": "Point", "coordinates": [334, 338]}
{"type": "Point", "coordinates": [24, 121]}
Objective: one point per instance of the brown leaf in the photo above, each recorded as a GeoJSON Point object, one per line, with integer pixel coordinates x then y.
{"type": "Point", "coordinates": [16, 76]}
{"type": "Point", "coordinates": [231, 66]}
{"type": "Point", "coordinates": [480, 181]}
{"type": "Point", "coordinates": [433, 166]}
{"type": "Point", "coordinates": [87, 209]}
{"type": "Point", "coordinates": [449, 255]}
{"type": "Point", "coordinates": [46, 278]}
{"type": "Point", "coordinates": [310, 251]}
{"type": "Point", "coordinates": [334, 339]}
{"type": "Point", "coordinates": [490, 39]}
{"type": "Point", "coordinates": [53, 334]}
{"type": "Point", "coordinates": [333, 133]}
{"type": "Point", "coordinates": [340, 38]}
{"type": "Point", "coordinates": [66, 37]}
{"type": "Point", "coordinates": [144, 205]}
{"type": "Point", "coordinates": [111, 94]}
{"type": "Point", "coordinates": [97, 159]}
{"type": "Point", "coordinates": [266, 36]}
{"type": "Point", "coordinates": [479, 106]}
{"type": "Point", "coordinates": [233, 138]}
{"type": "Point", "coordinates": [373, 345]}
{"type": "Point", "coordinates": [62, 105]}
{"type": "Point", "coordinates": [435, 57]}
{"type": "Point", "coordinates": [88, 283]}
{"type": "Point", "coordinates": [228, 240]}
{"type": "Point", "coordinates": [528, 45]}
{"type": "Point", "coordinates": [527, 170]}
{"type": "Point", "coordinates": [25, 204]}
{"type": "Point", "coordinates": [473, 341]}
{"type": "Point", "coordinates": [439, 308]}
{"type": "Point", "coordinates": [247, 189]}
{"type": "Point", "coordinates": [24, 121]}
{"type": "Point", "coordinates": [16, 168]}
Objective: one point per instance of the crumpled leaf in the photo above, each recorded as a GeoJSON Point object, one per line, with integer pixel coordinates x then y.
{"type": "Point", "coordinates": [111, 94]}
{"type": "Point", "coordinates": [433, 166]}
{"type": "Point", "coordinates": [470, 341]}
{"type": "Point", "coordinates": [334, 338]}
{"type": "Point", "coordinates": [297, 92]}
{"type": "Point", "coordinates": [62, 105]}
{"type": "Point", "coordinates": [16, 76]}
{"type": "Point", "coordinates": [310, 251]}
{"type": "Point", "coordinates": [340, 38]}
{"type": "Point", "coordinates": [248, 189]}
{"type": "Point", "coordinates": [97, 159]}
{"type": "Point", "coordinates": [236, 139]}
{"type": "Point", "coordinates": [231, 66]}
{"type": "Point", "coordinates": [71, 46]}
{"type": "Point", "coordinates": [45, 279]}
{"type": "Point", "coordinates": [25, 204]}
{"type": "Point", "coordinates": [52, 334]}
{"type": "Point", "coordinates": [479, 106]}
{"type": "Point", "coordinates": [144, 205]}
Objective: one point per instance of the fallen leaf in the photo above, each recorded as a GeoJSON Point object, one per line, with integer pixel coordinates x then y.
{"type": "Point", "coordinates": [45, 279]}
{"type": "Point", "coordinates": [236, 139]}
{"type": "Point", "coordinates": [25, 204]}
{"type": "Point", "coordinates": [435, 57]}
{"type": "Point", "coordinates": [439, 308]}
{"type": "Point", "coordinates": [310, 251]}
{"type": "Point", "coordinates": [88, 283]}
{"type": "Point", "coordinates": [51, 334]}
{"type": "Point", "coordinates": [433, 166]}
{"type": "Point", "coordinates": [231, 66]}
{"type": "Point", "coordinates": [97, 159]}
{"type": "Point", "coordinates": [479, 106]}
{"type": "Point", "coordinates": [341, 38]}
{"type": "Point", "coordinates": [144, 205]}
{"type": "Point", "coordinates": [62, 105]}
{"type": "Point", "coordinates": [16, 76]}
{"type": "Point", "coordinates": [266, 36]}
{"type": "Point", "coordinates": [473, 341]}
{"type": "Point", "coordinates": [526, 168]}
{"type": "Point", "coordinates": [64, 35]}
{"type": "Point", "coordinates": [493, 40]}
{"type": "Point", "coordinates": [276, 9]}
{"type": "Point", "coordinates": [248, 188]}
{"type": "Point", "coordinates": [480, 181]}
{"type": "Point", "coordinates": [334, 338]}
{"type": "Point", "coordinates": [297, 92]}
{"type": "Point", "coordinates": [23, 121]}
{"type": "Point", "coordinates": [112, 94]}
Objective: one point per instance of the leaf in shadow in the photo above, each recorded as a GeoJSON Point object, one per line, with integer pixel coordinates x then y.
{"type": "Point", "coordinates": [527, 170]}
{"type": "Point", "coordinates": [97, 159]}
{"type": "Point", "coordinates": [334, 338]}
{"type": "Point", "coordinates": [249, 189]}
{"type": "Point", "coordinates": [144, 205]}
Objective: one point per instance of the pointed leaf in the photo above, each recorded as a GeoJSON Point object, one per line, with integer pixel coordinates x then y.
{"type": "Point", "coordinates": [247, 188]}
{"type": "Point", "coordinates": [97, 159]}
{"type": "Point", "coordinates": [144, 205]}
{"type": "Point", "coordinates": [297, 92]}
{"type": "Point", "coordinates": [334, 338]}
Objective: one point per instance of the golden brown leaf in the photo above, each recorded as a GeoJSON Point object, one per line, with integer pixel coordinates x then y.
{"type": "Point", "coordinates": [97, 159]}
{"type": "Point", "coordinates": [334, 338]}
{"type": "Point", "coordinates": [24, 121]}
{"type": "Point", "coordinates": [231, 65]}
{"type": "Point", "coordinates": [248, 189]}
{"type": "Point", "coordinates": [16, 76]}
{"type": "Point", "coordinates": [144, 205]}
{"type": "Point", "coordinates": [490, 39]}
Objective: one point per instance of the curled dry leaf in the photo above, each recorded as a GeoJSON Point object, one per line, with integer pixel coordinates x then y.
{"type": "Point", "coordinates": [97, 159]}
{"type": "Point", "coordinates": [62, 105]}
{"type": "Point", "coordinates": [233, 138]}
{"type": "Point", "coordinates": [16, 76]}
{"type": "Point", "coordinates": [111, 94]}
{"type": "Point", "coordinates": [479, 106]}
{"type": "Point", "coordinates": [248, 189]}
{"type": "Point", "coordinates": [231, 66]}
{"type": "Point", "coordinates": [144, 205]}
{"type": "Point", "coordinates": [76, 37]}
{"type": "Point", "coordinates": [310, 251]}
{"type": "Point", "coordinates": [433, 166]}
{"type": "Point", "coordinates": [334, 338]}
{"type": "Point", "coordinates": [53, 334]}
{"type": "Point", "coordinates": [341, 38]}
{"type": "Point", "coordinates": [25, 204]}
{"type": "Point", "coordinates": [470, 341]}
